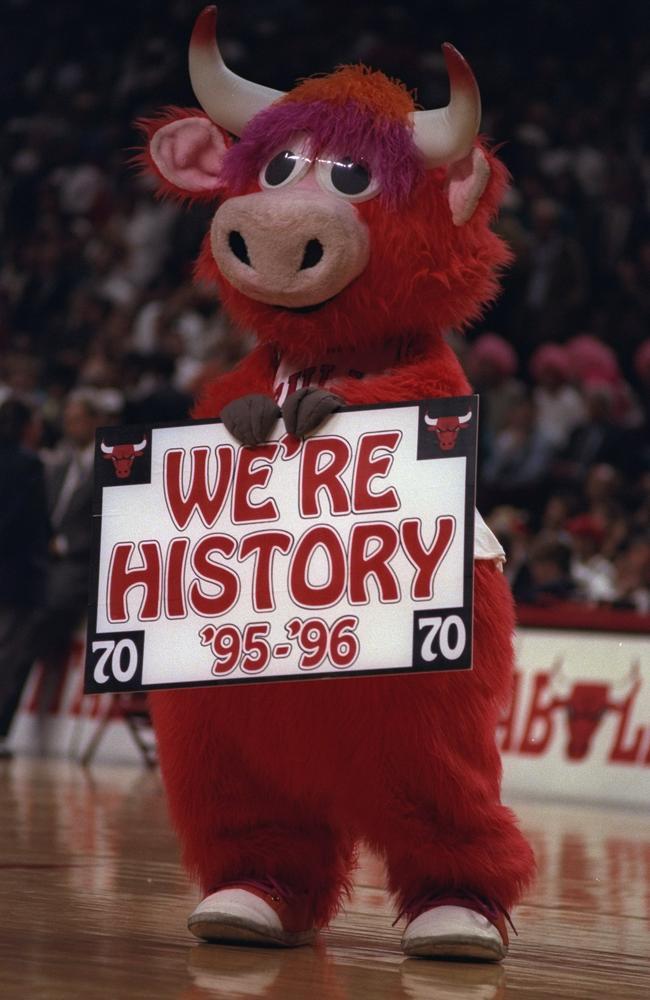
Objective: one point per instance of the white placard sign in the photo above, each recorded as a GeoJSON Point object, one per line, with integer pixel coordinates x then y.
{"type": "Point", "coordinates": [347, 553]}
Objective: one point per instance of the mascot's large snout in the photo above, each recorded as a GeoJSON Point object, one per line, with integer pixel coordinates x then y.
{"type": "Point", "coordinates": [294, 249]}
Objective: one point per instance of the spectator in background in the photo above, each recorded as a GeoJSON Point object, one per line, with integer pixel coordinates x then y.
{"type": "Point", "coordinates": [69, 477]}
{"type": "Point", "coordinates": [546, 577]}
{"type": "Point", "coordinates": [153, 396]}
{"type": "Point", "coordinates": [598, 440]}
{"type": "Point", "coordinates": [593, 363]}
{"type": "Point", "coordinates": [604, 493]}
{"type": "Point", "coordinates": [87, 316]}
{"type": "Point", "coordinates": [591, 359]}
{"type": "Point", "coordinates": [492, 365]}
{"type": "Point", "coordinates": [557, 279]}
{"type": "Point", "coordinates": [559, 508]}
{"type": "Point", "coordinates": [520, 460]}
{"type": "Point", "coordinates": [632, 576]}
{"type": "Point", "coordinates": [592, 572]}
{"type": "Point", "coordinates": [560, 407]}
{"type": "Point", "coordinates": [20, 377]}
{"type": "Point", "coordinates": [24, 534]}
{"type": "Point", "coordinates": [63, 585]}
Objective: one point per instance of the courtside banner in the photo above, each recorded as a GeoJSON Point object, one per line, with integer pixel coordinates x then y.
{"type": "Point", "coordinates": [346, 554]}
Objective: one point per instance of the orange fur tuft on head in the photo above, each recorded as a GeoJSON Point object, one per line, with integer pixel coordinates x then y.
{"type": "Point", "coordinates": [371, 90]}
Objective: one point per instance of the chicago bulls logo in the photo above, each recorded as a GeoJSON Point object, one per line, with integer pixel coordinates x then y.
{"type": "Point", "coordinates": [586, 703]}
{"type": "Point", "coordinates": [446, 428]}
{"type": "Point", "coordinates": [123, 456]}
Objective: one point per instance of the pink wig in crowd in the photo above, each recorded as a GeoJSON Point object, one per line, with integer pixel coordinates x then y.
{"type": "Point", "coordinates": [591, 360]}
{"type": "Point", "coordinates": [491, 350]}
{"type": "Point", "coordinates": [594, 367]}
{"type": "Point", "coordinates": [550, 360]}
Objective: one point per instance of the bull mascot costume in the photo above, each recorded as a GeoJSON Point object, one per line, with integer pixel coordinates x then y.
{"type": "Point", "coordinates": [350, 231]}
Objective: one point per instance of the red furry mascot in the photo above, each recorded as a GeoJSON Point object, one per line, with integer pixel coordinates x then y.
{"type": "Point", "coordinates": [350, 231]}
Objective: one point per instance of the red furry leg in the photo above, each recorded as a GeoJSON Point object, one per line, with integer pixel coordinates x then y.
{"type": "Point", "coordinates": [490, 858]}
{"type": "Point", "coordinates": [232, 823]}
{"type": "Point", "coordinates": [449, 832]}
{"type": "Point", "coordinates": [434, 811]}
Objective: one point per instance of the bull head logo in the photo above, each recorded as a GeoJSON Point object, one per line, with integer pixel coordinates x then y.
{"type": "Point", "coordinates": [586, 702]}
{"type": "Point", "coordinates": [123, 456]}
{"type": "Point", "coordinates": [446, 428]}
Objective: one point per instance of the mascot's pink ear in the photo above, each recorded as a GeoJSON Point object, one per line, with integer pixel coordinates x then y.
{"type": "Point", "coordinates": [466, 182]}
{"type": "Point", "coordinates": [188, 153]}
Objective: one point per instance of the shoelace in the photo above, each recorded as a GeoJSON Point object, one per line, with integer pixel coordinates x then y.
{"type": "Point", "coordinates": [488, 908]}
{"type": "Point", "coordinates": [276, 890]}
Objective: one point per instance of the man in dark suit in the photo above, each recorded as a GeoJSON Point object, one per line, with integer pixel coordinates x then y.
{"type": "Point", "coordinates": [69, 480]}
{"type": "Point", "coordinates": [63, 597]}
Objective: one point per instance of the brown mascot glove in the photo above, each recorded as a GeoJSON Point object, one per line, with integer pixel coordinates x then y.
{"type": "Point", "coordinates": [250, 418]}
{"type": "Point", "coordinates": [306, 409]}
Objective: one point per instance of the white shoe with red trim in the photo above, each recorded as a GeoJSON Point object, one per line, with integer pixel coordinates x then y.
{"type": "Point", "coordinates": [254, 912]}
{"type": "Point", "coordinates": [455, 927]}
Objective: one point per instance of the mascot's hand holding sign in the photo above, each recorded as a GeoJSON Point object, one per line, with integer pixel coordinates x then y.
{"type": "Point", "coordinates": [350, 231]}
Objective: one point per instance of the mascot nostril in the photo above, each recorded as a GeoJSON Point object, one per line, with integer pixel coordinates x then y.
{"type": "Point", "coordinates": [313, 253]}
{"type": "Point", "coordinates": [237, 244]}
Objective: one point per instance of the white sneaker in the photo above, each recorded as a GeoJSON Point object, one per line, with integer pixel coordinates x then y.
{"type": "Point", "coordinates": [450, 931]}
{"type": "Point", "coordinates": [252, 912]}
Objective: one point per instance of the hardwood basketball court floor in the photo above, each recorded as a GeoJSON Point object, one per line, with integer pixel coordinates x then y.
{"type": "Point", "coordinates": [93, 904]}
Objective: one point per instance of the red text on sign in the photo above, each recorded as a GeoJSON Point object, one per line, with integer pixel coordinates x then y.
{"type": "Point", "coordinates": [207, 580]}
{"type": "Point", "coordinates": [202, 482]}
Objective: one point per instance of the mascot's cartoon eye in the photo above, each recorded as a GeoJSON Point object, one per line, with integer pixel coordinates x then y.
{"type": "Point", "coordinates": [286, 166]}
{"type": "Point", "coordinates": [347, 177]}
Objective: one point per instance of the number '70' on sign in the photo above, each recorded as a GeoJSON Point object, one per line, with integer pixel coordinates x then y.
{"type": "Point", "coordinates": [446, 636]}
{"type": "Point", "coordinates": [117, 660]}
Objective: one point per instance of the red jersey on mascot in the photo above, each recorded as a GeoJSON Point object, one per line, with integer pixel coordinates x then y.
{"type": "Point", "coordinates": [350, 231]}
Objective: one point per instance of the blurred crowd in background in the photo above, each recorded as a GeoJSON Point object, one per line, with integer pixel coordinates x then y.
{"type": "Point", "coordinates": [100, 321]}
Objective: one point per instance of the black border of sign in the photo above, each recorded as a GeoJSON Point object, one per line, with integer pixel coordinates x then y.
{"type": "Point", "coordinates": [444, 406]}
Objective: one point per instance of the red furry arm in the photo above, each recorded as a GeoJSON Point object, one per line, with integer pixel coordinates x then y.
{"type": "Point", "coordinates": [437, 373]}
{"type": "Point", "coordinates": [254, 374]}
